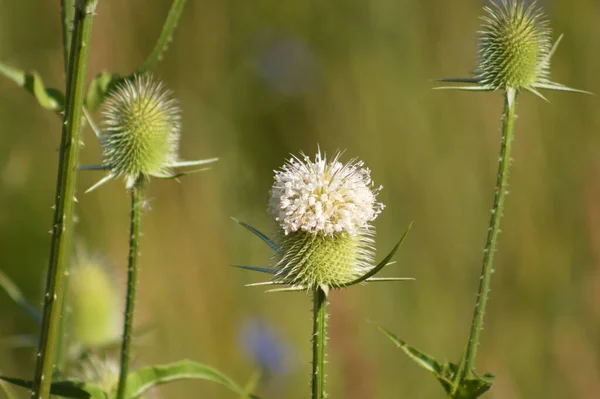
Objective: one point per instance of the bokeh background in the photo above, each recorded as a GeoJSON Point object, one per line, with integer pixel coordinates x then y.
{"type": "Point", "coordinates": [260, 80]}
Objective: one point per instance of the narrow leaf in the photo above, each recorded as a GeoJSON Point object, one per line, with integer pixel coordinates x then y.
{"type": "Point", "coordinates": [464, 88]}
{"type": "Point", "coordinates": [66, 389]}
{"type": "Point", "coordinates": [180, 164]}
{"type": "Point", "coordinates": [256, 269]}
{"type": "Point", "coordinates": [459, 80]}
{"type": "Point", "coordinates": [144, 379]}
{"type": "Point", "coordinates": [260, 235]}
{"type": "Point", "coordinates": [559, 87]}
{"type": "Point", "coordinates": [381, 264]}
{"type": "Point", "coordinates": [384, 279]}
{"type": "Point", "coordinates": [51, 99]}
{"type": "Point", "coordinates": [422, 359]}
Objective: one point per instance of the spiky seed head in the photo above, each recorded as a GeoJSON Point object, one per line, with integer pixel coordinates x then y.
{"type": "Point", "coordinates": [324, 209]}
{"type": "Point", "coordinates": [94, 305]}
{"type": "Point", "coordinates": [514, 46]}
{"type": "Point", "coordinates": [141, 130]}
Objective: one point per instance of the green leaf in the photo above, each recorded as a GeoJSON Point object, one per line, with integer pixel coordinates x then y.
{"type": "Point", "coordinates": [260, 235]}
{"type": "Point", "coordinates": [66, 389]}
{"type": "Point", "coordinates": [423, 360]}
{"type": "Point", "coordinates": [98, 90]}
{"type": "Point", "coordinates": [51, 99]}
{"type": "Point", "coordinates": [381, 264]}
{"type": "Point", "coordinates": [470, 388]}
{"type": "Point", "coordinates": [473, 388]}
{"type": "Point", "coordinates": [144, 379]}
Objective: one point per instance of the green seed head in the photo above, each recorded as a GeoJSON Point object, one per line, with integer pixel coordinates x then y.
{"type": "Point", "coordinates": [95, 315]}
{"type": "Point", "coordinates": [141, 130]}
{"type": "Point", "coordinates": [324, 209]}
{"type": "Point", "coordinates": [514, 46]}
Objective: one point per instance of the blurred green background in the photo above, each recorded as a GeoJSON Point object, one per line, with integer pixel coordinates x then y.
{"type": "Point", "coordinates": [260, 80]}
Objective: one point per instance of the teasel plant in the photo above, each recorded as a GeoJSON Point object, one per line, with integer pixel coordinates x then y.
{"type": "Point", "coordinates": [515, 49]}
{"type": "Point", "coordinates": [139, 138]}
{"type": "Point", "coordinates": [323, 210]}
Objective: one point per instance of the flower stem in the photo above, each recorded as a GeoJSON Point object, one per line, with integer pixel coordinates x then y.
{"type": "Point", "coordinates": [64, 201]}
{"type": "Point", "coordinates": [467, 362]}
{"type": "Point", "coordinates": [165, 37]}
{"type": "Point", "coordinates": [132, 279]}
{"type": "Point", "coordinates": [318, 341]}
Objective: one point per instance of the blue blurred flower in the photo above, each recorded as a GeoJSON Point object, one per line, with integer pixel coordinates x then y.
{"type": "Point", "coordinates": [266, 348]}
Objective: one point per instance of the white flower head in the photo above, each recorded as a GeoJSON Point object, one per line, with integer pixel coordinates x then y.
{"type": "Point", "coordinates": [324, 197]}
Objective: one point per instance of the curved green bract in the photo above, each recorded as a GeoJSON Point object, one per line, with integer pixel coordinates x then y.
{"type": "Point", "coordinates": [144, 379]}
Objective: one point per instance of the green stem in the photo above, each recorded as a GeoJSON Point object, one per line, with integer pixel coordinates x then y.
{"type": "Point", "coordinates": [164, 38]}
{"type": "Point", "coordinates": [467, 362]}
{"type": "Point", "coordinates": [132, 280]}
{"type": "Point", "coordinates": [65, 198]}
{"type": "Point", "coordinates": [66, 12]}
{"type": "Point", "coordinates": [318, 341]}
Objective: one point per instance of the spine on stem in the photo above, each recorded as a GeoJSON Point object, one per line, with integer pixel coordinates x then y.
{"type": "Point", "coordinates": [64, 200]}
{"type": "Point", "coordinates": [132, 281]}
{"type": "Point", "coordinates": [318, 342]}
{"type": "Point", "coordinates": [501, 190]}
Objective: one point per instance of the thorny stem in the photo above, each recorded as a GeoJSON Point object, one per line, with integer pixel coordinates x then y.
{"type": "Point", "coordinates": [132, 280]}
{"type": "Point", "coordinates": [467, 362]}
{"type": "Point", "coordinates": [318, 342]}
{"type": "Point", "coordinates": [62, 227]}
{"type": "Point", "coordinates": [165, 37]}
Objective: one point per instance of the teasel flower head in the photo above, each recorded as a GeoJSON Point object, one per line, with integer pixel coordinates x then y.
{"type": "Point", "coordinates": [324, 211]}
{"type": "Point", "coordinates": [140, 132]}
{"type": "Point", "coordinates": [515, 48]}
{"type": "Point", "coordinates": [94, 304]}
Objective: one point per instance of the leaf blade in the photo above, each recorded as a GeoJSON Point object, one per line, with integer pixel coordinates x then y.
{"type": "Point", "coordinates": [142, 380]}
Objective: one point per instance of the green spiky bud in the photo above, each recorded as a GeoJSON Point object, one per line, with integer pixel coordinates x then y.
{"type": "Point", "coordinates": [324, 209]}
{"type": "Point", "coordinates": [95, 314]}
{"type": "Point", "coordinates": [141, 130]}
{"type": "Point", "coordinates": [514, 46]}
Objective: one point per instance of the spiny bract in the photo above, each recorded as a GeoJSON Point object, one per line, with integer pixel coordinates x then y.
{"type": "Point", "coordinates": [141, 130]}
{"type": "Point", "coordinates": [324, 209]}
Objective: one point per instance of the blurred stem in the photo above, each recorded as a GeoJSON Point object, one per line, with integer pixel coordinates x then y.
{"type": "Point", "coordinates": [132, 280]}
{"type": "Point", "coordinates": [318, 341]}
{"type": "Point", "coordinates": [467, 362]}
{"type": "Point", "coordinates": [62, 227]}
{"type": "Point", "coordinates": [66, 12]}
{"type": "Point", "coordinates": [165, 37]}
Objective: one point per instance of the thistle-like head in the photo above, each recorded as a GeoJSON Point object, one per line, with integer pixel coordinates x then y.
{"type": "Point", "coordinates": [515, 48]}
{"type": "Point", "coordinates": [324, 209]}
{"type": "Point", "coordinates": [140, 132]}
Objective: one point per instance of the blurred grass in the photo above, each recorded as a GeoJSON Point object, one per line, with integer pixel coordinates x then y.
{"type": "Point", "coordinates": [262, 79]}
